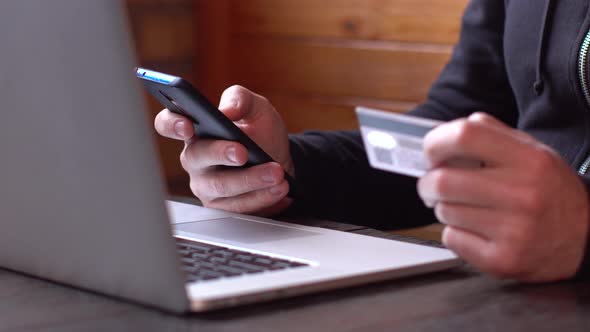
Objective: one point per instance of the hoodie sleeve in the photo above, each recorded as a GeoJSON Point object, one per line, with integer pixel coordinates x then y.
{"type": "Point", "coordinates": [333, 176]}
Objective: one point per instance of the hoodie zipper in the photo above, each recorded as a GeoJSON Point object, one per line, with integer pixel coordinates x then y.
{"type": "Point", "coordinates": [583, 72]}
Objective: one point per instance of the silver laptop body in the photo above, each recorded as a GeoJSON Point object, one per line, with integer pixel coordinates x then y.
{"type": "Point", "coordinates": [81, 196]}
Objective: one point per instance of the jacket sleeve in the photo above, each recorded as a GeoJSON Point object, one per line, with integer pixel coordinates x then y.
{"type": "Point", "coordinates": [333, 176]}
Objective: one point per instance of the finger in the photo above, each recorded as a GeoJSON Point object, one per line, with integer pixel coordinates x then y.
{"type": "Point", "coordinates": [241, 104]}
{"type": "Point", "coordinates": [253, 201]}
{"type": "Point", "coordinates": [219, 183]}
{"type": "Point", "coordinates": [201, 154]}
{"type": "Point", "coordinates": [489, 120]}
{"type": "Point", "coordinates": [471, 247]}
{"type": "Point", "coordinates": [172, 125]}
{"type": "Point", "coordinates": [464, 139]}
{"type": "Point", "coordinates": [486, 223]}
{"type": "Point", "coordinates": [475, 187]}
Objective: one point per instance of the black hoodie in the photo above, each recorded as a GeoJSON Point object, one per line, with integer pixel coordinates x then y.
{"type": "Point", "coordinates": [522, 61]}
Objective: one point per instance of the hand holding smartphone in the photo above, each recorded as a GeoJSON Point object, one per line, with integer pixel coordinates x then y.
{"type": "Point", "coordinates": [180, 97]}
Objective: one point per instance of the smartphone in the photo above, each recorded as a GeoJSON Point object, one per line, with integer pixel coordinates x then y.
{"type": "Point", "coordinates": [180, 97]}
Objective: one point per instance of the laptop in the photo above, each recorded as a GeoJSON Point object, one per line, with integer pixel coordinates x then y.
{"type": "Point", "coordinates": [82, 200]}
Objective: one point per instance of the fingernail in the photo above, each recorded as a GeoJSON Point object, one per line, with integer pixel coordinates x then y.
{"type": "Point", "coordinates": [230, 153]}
{"type": "Point", "coordinates": [268, 176]}
{"type": "Point", "coordinates": [179, 128]}
{"type": "Point", "coordinates": [276, 190]}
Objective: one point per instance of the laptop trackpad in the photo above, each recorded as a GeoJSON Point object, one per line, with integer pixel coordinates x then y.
{"type": "Point", "coordinates": [241, 231]}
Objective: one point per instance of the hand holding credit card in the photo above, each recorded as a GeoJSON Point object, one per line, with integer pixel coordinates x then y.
{"type": "Point", "coordinates": [394, 142]}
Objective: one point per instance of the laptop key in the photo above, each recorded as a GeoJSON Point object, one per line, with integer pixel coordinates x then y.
{"type": "Point", "coordinates": [200, 256]}
{"type": "Point", "coordinates": [230, 271]}
{"type": "Point", "coordinates": [223, 253]}
{"type": "Point", "coordinates": [208, 265]}
{"type": "Point", "coordinates": [263, 261]}
{"type": "Point", "coordinates": [187, 260]}
{"type": "Point", "coordinates": [282, 265]}
{"type": "Point", "coordinates": [218, 260]}
{"type": "Point", "coordinates": [244, 258]}
{"type": "Point", "coordinates": [184, 252]}
{"type": "Point", "coordinates": [208, 274]}
{"type": "Point", "coordinates": [190, 269]}
{"type": "Point", "coordinates": [250, 268]}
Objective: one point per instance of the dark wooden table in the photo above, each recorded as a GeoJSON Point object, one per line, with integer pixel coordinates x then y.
{"type": "Point", "coordinates": [455, 300]}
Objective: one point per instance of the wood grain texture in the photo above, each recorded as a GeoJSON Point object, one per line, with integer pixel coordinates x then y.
{"type": "Point", "coordinates": [337, 50]}
{"type": "Point", "coordinates": [365, 69]}
{"type": "Point", "coordinates": [309, 112]}
{"type": "Point", "coordinates": [421, 21]}
{"type": "Point", "coordinates": [164, 37]}
{"type": "Point", "coordinates": [213, 49]}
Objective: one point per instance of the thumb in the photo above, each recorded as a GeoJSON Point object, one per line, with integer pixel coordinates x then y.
{"type": "Point", "coordinates": [236, 103]}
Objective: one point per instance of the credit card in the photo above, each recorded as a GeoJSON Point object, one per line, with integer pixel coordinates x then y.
{"type": "Point", "coordinates": [394, 142]}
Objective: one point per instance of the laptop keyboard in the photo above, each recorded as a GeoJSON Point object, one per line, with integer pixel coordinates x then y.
{"type": "Point", "coordinates": [203, 261]}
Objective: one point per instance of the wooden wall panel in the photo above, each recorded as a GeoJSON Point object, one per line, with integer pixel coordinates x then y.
{"type": "Point", "coordinates": [308, 112]}
{"type": "Point", "coordinates": [213, 49]}
{"type": "Point", "coordinates": [391, 71]}
{"type": "Point", "coordinates": [165, 36]}
{"type": "Point", "coordinates": [316, 60]}
{"type": "Point", "coordinates": [319, 57]}
{"type": "Point", "coordinates": [422, 21]}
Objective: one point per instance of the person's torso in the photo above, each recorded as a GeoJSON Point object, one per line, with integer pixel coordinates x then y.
{"type": "Point", "coordinates": [548, 72]}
